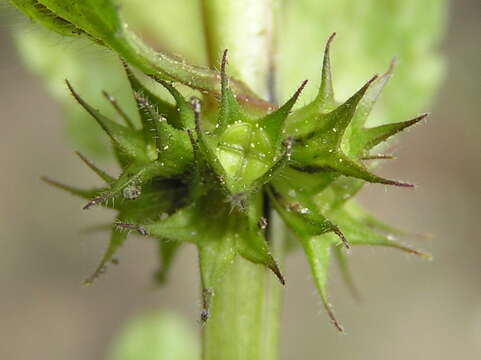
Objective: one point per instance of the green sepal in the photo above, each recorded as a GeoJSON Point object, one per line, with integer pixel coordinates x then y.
{"type": "Point", "coordinates": [167, 250]}
{"type": "Point", "coordinates": [345, 271]}
{"type": "Point", "coordinates": [82, 193]}
{"type": "Point", "coordinates": [158, 105]}
{"type": "Point", "coordinates": [208, 155]}
{"type": "Point", "coordinates": [216, 253]}
{"type": "Point", "coordinates": [318, 251]}
{"type": "Point", "coordinates": [322, 150]}
{"type": "Point", "coordinates": [158, 133]}
{"type": "Point", "coordinates": [370, 137]}
{"type": "Point", "coordinates": [123, 115]}
{"type": "Point", "coordinates": [229, 110]}
{"type": "Point", "coordinates": [304, 120]}
{"type": "Point", "coordinates": [359, 233]}
{"type": "Point", "coordinates": [274, 170]}
{"type": "Point", "coordinates": [139, 174]}
{"type": "Point", "coordinates": [174, 146]}
{"type": "Point", "coordinates": [340, 163]}
{"type": "Point", "coordinates": [332, 126]}
{"type": "Point", "coordinates": [102, 174]}
{"type": "Point", "coordinates": [325, 97]}
{"type": "Point", "coordinates": [274, 123]}
{"type": "Point", "coordinates": [129, 142]}
{"type": "Point", "coordinates": [254, 248]}
{"type": "Point", "coordinates": [133, 175]}
{"type": "Point", "coordinates": [180, 226]}
{"type": "Point", "coordinates": [149, 118]}
{"type": "Point", "coordinates": [363, 109]}
{"type": "Point", "coordinates": [184, 116]}
{"type": "Point", "coordinates": [117, 238]}
{"type": "Point", "coordinates": [302, 217]}
{"type": "Point", "coordinates": [359, 213]}
{"type": "Point", "coordinates": [337, 193]}
{"type": "Point", "coordinates": [253, 245]}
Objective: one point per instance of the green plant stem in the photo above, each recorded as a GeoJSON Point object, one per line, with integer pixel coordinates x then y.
{"type": "Point", "coordinates": [245, 309]}
{"type": "Point", "coordinates": [246, 29]}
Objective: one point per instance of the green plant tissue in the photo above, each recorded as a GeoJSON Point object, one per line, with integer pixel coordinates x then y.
{"type": "Point", "coordinates": [155, 336]}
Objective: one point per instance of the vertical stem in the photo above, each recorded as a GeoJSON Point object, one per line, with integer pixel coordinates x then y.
{"type": "Point", "coordinates": [244, 315]}
{"type": "Point", "coordinates": [246, 29]}
{"type": "Point", "coordinates": [245, 309]}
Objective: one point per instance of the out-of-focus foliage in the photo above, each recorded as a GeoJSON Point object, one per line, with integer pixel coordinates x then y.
{"type": "Point", "coordinates": [155, 336]}
{"type": "Point", "coordinates": [54, 58]}
{"type": "Point", "coordinates": [91, 67]}
{"type": "Point", "coordinates": [370, 33]}
{"type": "Point", "coordinates": [410, 31]}
{"type": "Point", "coordinates": [160, 25]}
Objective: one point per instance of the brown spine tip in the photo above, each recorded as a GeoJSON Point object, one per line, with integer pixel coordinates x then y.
{"type": "Point", "coordinates": [126, 226]}
{"type": "Point", "coordinates": [398, 183]}
{"type": "Point", "coordinates": [371, 80]}
{"type": "Point", "coordinates": [418, 118]}
{"type": "Point", "coordinates": [341, 236]}
{"type": "Point", "coordinates": [416, 252]}
{"type": "Point", "coordinates": [299, 90]}
{"type": "Point", "coordinates": [328, 43]}
{"type": "Point", "coordinates": [72, 91]}
{"type": "Point", "coordinates": [223, 75]}
{"type": "Point", "coordinates": [332, 317]}
{"type": "Point", "coordinates": [391, 66]}
{"type": "Point", "coordinates": [223, 61]}
{"type": "Point", "coordinates": [379, 157]}
{"type": "Point", "coordinates": [275, 269]}
{"type": "Point", "coordinates": [93, 202]}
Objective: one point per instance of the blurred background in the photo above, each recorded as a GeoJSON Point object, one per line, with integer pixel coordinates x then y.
{"type": "Point", "coordinates": [410, 309]}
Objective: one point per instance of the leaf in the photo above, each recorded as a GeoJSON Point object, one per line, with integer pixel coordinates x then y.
{"type": "Point", "coordinates": [100, 19]}
{"type": "Point", "coordinates": [54, 58]}
{"type": "Point", "coordinates": [41, 14]}
{"type": "Point", "coordinates": [155, 336]}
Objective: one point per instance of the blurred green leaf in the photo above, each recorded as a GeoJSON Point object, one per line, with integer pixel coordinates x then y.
{"type": "Point", "coordinates": [155, 336]}
{"type": "Point", "coordinates": [90, 67]}
{"type": "Point", "coordinates": [369, 34]}
{"type": "Point", "coordinates": [162, 32]}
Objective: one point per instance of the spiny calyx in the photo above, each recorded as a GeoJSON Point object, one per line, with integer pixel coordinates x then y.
{"type": "Point", "coordinates": [201, 174]}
